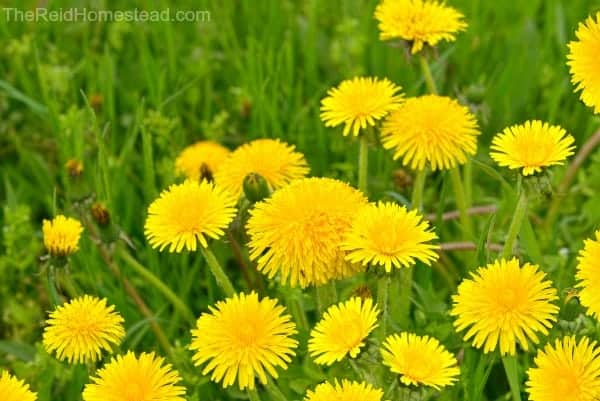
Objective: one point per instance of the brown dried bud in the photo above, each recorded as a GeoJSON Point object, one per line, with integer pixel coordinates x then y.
{"type": "Point", "coordinates": [402, 179]}
{"type": "Point", "coordinates": [74, 167]}
{"type": "Point", "coordinates": [362, 291]}
{"type": "Point", "coordinates": [96, 101]}
{"type": "Point", "coordinates": [100, 214]}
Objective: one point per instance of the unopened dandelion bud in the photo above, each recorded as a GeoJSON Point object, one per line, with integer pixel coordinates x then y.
{"type": "Point", "coordinates": [255, 187]}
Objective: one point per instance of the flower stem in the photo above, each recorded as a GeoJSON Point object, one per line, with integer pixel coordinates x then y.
{"type": "Point", "coordinates": [274, 391]}
{"type": "Point", "coordinates": [515, 224]}
{"type": "Point", "coordinates": [296, 307]}
{"type": "Point", "coordinates": [253, 395]}
{"type": "Point", "coordinates": [363, 164]}
{"type": "Point", "coordinates": [461, 202]}
{"type": "Point", "coordinates": [383, 285]}
{"type": "Point", "coordinates": [427, 75]}
{"type": "Point", "coordinates": [217, 271]}
{"type": "Point", "coordinates": [512, 374]}
{"type": "Point", "coordinates": [51, 276]}
{"type": "Point", "coordinates": [326, 296]}
{"type": "Point", "coordinates": [405, 278]}
{"type": "Point", "coordinates": [418, 189]}
{"type": "Point", "coordinates": [158, 284]}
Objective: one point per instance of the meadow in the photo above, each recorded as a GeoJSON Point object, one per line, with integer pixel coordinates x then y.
{"type": "Point", "coordinates": [94, 115]}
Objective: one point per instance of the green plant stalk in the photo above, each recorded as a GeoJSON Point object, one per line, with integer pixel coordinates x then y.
{"type": "Point", "coordinates": [461, 202]}
{"type": "Point", "coordinates": [253, 395]}
{"type": "Point", "coordinates": [158, 284]}
{"type": "Point", "coordinates": [363, 164]}
{"type": "Point", "coordinates": [383, 285]}
{"type": "Point", "coordinates": [427, 75]}
{"type": "Point", "coordinates": [297, 309]}
{"type": "Point", "coordinates": [512, 374]}
{"type": "Point", "coordinates": [326, 296]}
{"type": "Point", "coordinates": [515, 225]}
{"type": "Point", "coordinates": [274, 391]}
{"type": "Point", "coordinates": [51, 276]}
{"type": "Point", "coordinates": [217, 271]}
{"type": "Point", "coordinates": [418, 189]}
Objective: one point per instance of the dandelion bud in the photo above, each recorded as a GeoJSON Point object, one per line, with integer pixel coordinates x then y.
{"type": "Point", "coordinates": [100, 214]}
{"type": "Point", "coordinates": [255, 187]}
{"type": "Point", "coordinates": [74, 168]}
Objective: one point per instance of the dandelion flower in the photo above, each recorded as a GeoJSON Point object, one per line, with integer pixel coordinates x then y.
{"type": "Point", "coordinates": [79, 330]}
{"type": "Point", "coordinates": [504, 303]}
{"type": "Point", "coordinates": [128, 378]}
{"type": "Point", "coordinates": [297, 232]}
{"type": "Point", "coordinates": [201, 159]}
{"type": "Point", "coordinates": [12, 389]}
{"type": "Point", "coordinates": [186, 214]}
{"type": "Point", "coordinates": [419, 360]}
{"type": "Point", "coordinates": [566, 371]}
{"type": "Point", "coordinates": [243, 338]}
{"type": "Point", "coordinates": [431, 130]}
{"type": "Point", "coordinates": [342, 330]}
{"type": "Point", "coordinates": [277, 162]}
{"type": "Point", "coordinates": [418, 21]}
{"type": "Point", "coordinates": [61, 235]}
{"type": "Point", "coordinates": [588, 274]}
{"type": "Point", "coordinates": [531, 146]}
{"type": "Point", "coordinates": [358, 103]}
{"type": "Point", "coordinates": [584, 62]}
{"type": "Point", "coordinates": [387, 234]}
{"type": "Point", "coordinates": [346, 391]}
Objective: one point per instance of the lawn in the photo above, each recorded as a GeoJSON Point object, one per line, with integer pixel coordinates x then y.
{"type": "Point", "coordinates": [93, 115]}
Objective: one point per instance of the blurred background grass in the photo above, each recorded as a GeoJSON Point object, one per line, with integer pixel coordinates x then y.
{"type": "Point", "coordinates": [127, 97]}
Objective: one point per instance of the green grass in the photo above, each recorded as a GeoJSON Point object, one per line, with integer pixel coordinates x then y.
{"type": "Point", "coordinates": [259, 69]}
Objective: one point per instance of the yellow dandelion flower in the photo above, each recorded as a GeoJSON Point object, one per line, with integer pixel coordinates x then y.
{"type": "Point", "coordinates": [505, 303]}
{"type": "Point", "coordinates": [13, 389]}
{"type": "Point", "coordinates": [346, 391]}
{"type": "Point", "coordinates": [201, 159]}
{"type": "Point", "coordinates": [61, 235]}
{"type": "Point", "coordinates": [128, 378]}
{"type": "Point", "coordinates": [431, 130]}
{"type": "Point", "coordinates": [531, 146]}
{"type": "Point", "coordinates": [342, 330]}
{"type": "Point", "coordinates": [566, 371]}
{"type": "Point", "coordinates": [244, 338]}
{"type": "Point", "coordinates": [387, 234]}
{"type": "Point", "coordinates": [79, 330]}
{"type": "Point", "coordinates": [186, 214]}
{"type": "Point", "coordinates": [584, 62]}
{"type": "Point", "coordinates": [297, 232]}
{"type": "Point", "coordinates": [359, 102]}
{"type": "Point", "coordinates": [277, 162]}
{"type": "Point", "coordinates": [418, 21]}
{"type": "Point", "coordinates": [588, 274]}
{"type": "Point", "coordinates": [419, 360]}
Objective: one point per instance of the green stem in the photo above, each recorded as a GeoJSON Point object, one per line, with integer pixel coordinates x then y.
{"type": "Point", "coordinates": [297, 309]}
{"type": "Point", "coordinates": [461, 202]}
{"type": "Point", "coordinates": [406, 278]}
{"type": "Point", "coordinates": [515, 224]}
{"type": "Point", "coordinates": [54, 297]}
{"type": "Point", "coordinates": [363, 164]}
{"type": "Point", "coordinates": [158, 284]}
{"type": "Point", "coordinates": [512, 374]}
{"type": "Point", "coordinates": [383, 285]}
{"type": "Point", "coordinates": [253, 395]}
{"type": "Point", "coordinates": [217, 271]}
{"type": "Point", "coordinates": [418, 189]}
{"type": "Point", "coordinates": [326, 296]}
{"type": "Point", "coordinates": [274, 391]}
{"type": "Point", "coordinates": [427, 75]}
